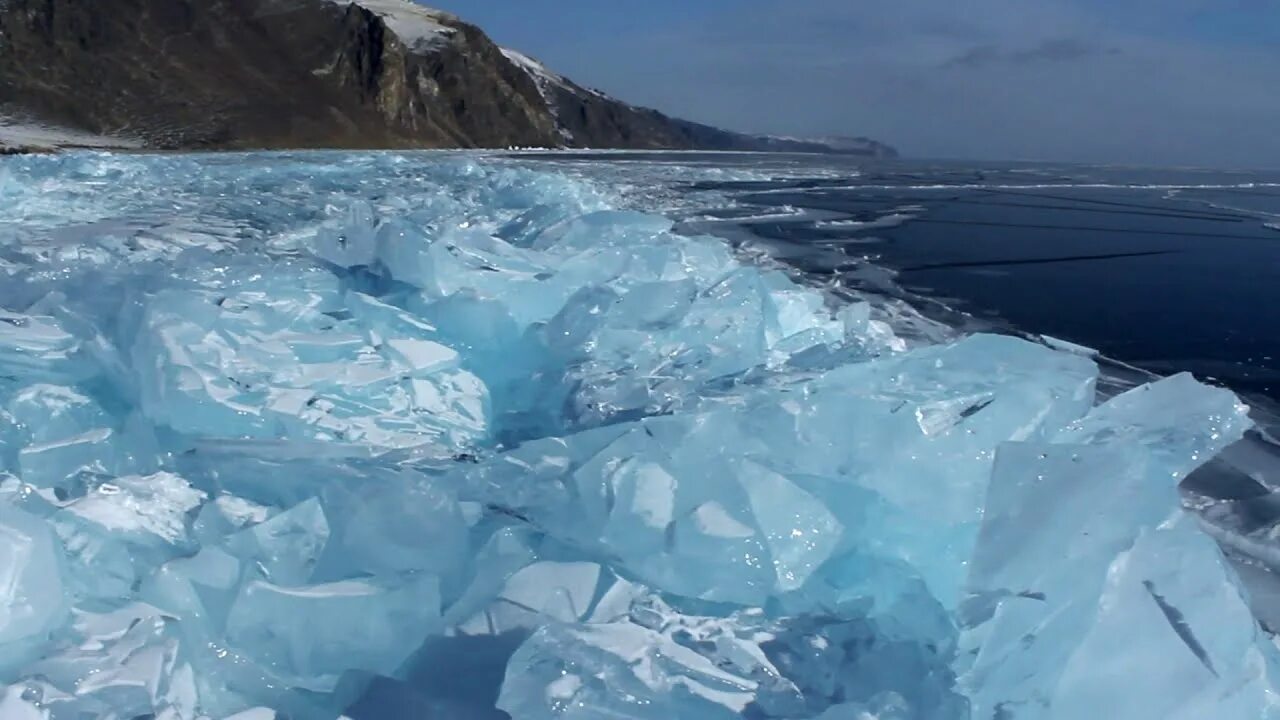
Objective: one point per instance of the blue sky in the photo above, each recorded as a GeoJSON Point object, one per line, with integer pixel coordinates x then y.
{"type": "Point", "coordinates": [1144, 81]}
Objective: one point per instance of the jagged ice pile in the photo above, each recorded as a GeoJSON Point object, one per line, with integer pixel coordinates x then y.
{"type": "Point", "coordinates": [445, 436]}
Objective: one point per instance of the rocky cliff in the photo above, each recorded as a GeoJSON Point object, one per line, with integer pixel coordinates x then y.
{"type": "Point", "coordinates": [227, 74]}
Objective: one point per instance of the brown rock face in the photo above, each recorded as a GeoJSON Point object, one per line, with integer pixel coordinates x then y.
{"type": "Point", "coordinates": [238, 74]}
{"type": "Point", "coordinates": [259, 73]}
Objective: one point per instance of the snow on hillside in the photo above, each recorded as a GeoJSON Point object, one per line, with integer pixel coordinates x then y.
{"type": "Point", "coordinates": [540, 72]}
{"type": "Point", "coordinates": [418, 27]}
{"type": "Point", "coordinates": [546, 80]}
{"type": "Point", "coordinates": [545, 76]}
{"type": "Point", "coordinates": [21, 135]}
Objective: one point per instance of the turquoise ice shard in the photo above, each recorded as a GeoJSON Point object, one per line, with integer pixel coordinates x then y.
{"type": "Point", "coordinates": [549, 591]}
{"type": "Point", "coordinates": [1083, 544]}
{"type": "Point", "coordinates": [764, 536]}
{"type": "Point", "coordinates": [350, 241]}
{"type": "Point", "coordinates": [57, 462]}
{"type": "Point", "coordinates": [59, 433]}
{"type": "Point", "coordinates": [33, 602]}
{"type": "Point", "coordinates": [287, 547]}
{"type": "Point", "coordinates": [121, 529]}
{"type": "Point", "coordinates": [310, 635]}
{"type": "Point", "coordinates": [39, 348]}
{"type": "Point", "coordinates": [198, 590]}
{"type": "Point", "coordinates": [919, 431]}
{"type": "Point", "coordinates": [800, 532]}
{"type": "Point", "coordinates": [505, 552]}
{"type": "Point", "coordinates": [125, 663]}
{"type": "Point", "coordinates": [725, 505]}
{"type": "Point", "coordinates": [225, 362]}
{"type": "Point", "coordinates": [659, 663]}
{"type": "Point", "coordinates": [1172, 606]}
{"type": "Point", "coordinates": [44, 413]}
{"type": "Point", "coordinates": [406, 524]}
{"type": "Point", "coordinates": [198, 593]}
{"type": "Point", "coordinates": [624, 671]}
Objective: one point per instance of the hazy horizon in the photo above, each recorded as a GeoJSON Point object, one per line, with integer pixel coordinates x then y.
{"type": "Point", "coordinates": [1180, 82]}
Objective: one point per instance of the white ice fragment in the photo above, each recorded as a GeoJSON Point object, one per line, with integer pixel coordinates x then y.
{"type": "Point", "coordinates": [259, 713]}
{"type": "Point", "coordinates": [636, 673]}
{"type": "Point", "coordinates": [1068, 346]}
{"type": "Point", "coordinates": [241, 512]}
{"type": "Point", "coordinates": [799, 530]}
{"type": "Point", "coordinates": [714, 520]}
{"type": "Point", "coordinates": [14, 707]}
{"type": "Point", "coordinates": [47, 413]}
{"type": "Point", "coordinates": [156, 505]}
{"type": "Point", "coordinates": [32, 602]}
{"type": "Point", "coordinates": [287, 547]}
{"type": "Point", "coordinates": [653, 498]}
{"type": "Point", "coordinates": [38, 347]}
{"type": "Point", "coordinates": [49, 463]}
{"type": "Point", "coordinates": [306, 634]}
{"type": "Point", "coordinates": [545, 592]}
{"type": "Point", "coordinates": [541, 587]}
{"type": "Point", "coordinates": [423, 356]}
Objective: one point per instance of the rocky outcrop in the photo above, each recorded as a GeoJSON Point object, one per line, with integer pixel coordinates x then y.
{"type": "Point", "coordinates": [259, 73]}
{"type": "Point", "coordinates": [228, 74]}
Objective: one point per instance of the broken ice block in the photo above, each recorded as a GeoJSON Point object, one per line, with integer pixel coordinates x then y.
{"type": "Point", "coordinates": [410, 523]}
{"type": "Point", "coordinates": [659, 663]}
{"type": "Point", "coordinates": [1064, 523]}
{"type": "Point", "coordinates": [309, 636]}
{"type": "Point", "coordinates": [920, 430]}
{"type": "Point", "coordinates": [620, 671]}
{"type": "Point", "coordinates": [544, 592]}
{"type": "Point", "coordinates": [45, 413]}
{"type": "Point", "coordinates": [120, 530]}
{"type": "Point", "coordinates": [126, 664]}
{"type": "Point", "coordinates": [287, 547]}
{"type": "Point", "coordinates": [350, 241]}
{"type": "Point", "coordinates": [32, 599]}
{"type": "Point", "coordinates": [244, 366]}
{"type": "Point", "coordinates": [58, 462]}
{"type": "Point", "coordinates": [38, 349]}
{"type": "Point", "coordinates": [1173, 608]}
{"type": "Point", "coordinates": [607, 226]}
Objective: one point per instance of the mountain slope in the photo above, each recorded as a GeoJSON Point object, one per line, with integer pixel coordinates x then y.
{"type": "Point", "coordinates": [590, 118]}
{"type": "Point", "coordinates": [307, 73]}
